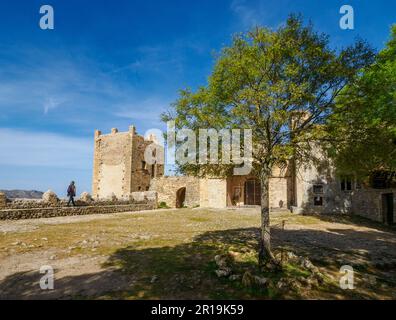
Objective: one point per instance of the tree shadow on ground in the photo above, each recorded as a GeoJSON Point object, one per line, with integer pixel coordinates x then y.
{"type": "Point", "coordinates": [355, 220]}
{"type": "Point", "coordinates": [187, 270]}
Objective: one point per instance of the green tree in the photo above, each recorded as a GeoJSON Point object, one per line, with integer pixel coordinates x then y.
{"type": "Point", "coordinates": [279, 83]}
{"type": "Point", "coordinates": [362, 128]}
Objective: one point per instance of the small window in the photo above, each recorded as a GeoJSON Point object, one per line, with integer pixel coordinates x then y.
{"type": "Point", "coordinates": [152, 171]}
{"type": "Point", "coordinates": [318, 201]}
{"type": "Point", "coordinates": [143, 165]}
{"type": "Point", "coordinates": [139, 188]}
{"type": "Point", "coordinates": [318, 189]}
{"type": "Point", "coordinates": [346, 184]}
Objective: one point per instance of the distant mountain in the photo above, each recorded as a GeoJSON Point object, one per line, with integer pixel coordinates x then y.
{"type": "Point", "coordinates": [22, 194]}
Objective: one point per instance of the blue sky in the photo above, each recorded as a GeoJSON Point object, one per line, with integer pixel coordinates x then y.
{"type": "Point", "coordinates": [115, 63]}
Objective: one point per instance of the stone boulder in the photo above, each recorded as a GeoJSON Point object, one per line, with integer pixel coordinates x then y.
{"type": "Point", "coordinates": [143, 196]}
{"type": "Point", "coordinates": [138, 196]}
{"type": "Point", "coordinates": [112, 198]}
{"type": "Point", "coordinates": [261, 281]}
{"type": "Point", "coordinates": [223, 272]}
{"type": "Point", "coordinates": [151, 196]}
{"type": "Point", "coordinates": [86, 197]}
{"type": "Point", "coordinates": [222, 263]}
{"type": "Point", "coordinates": [248, 279]}
{"type": "Point", "coordinates": [50, 197]}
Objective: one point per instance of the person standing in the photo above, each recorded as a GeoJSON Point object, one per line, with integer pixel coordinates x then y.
{"type": "Point", "coordinates": [71, 193]}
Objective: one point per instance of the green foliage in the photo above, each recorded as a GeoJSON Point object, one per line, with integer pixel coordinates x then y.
{"type": "Point", "coordinates": [163, 205]}
{"type": "Point", "coordinates": [362, 128]}
{"type": "Point", "coordinates": [281, 84]}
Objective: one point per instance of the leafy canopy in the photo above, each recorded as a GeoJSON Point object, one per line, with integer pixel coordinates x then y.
{"type": "Point", "coordinates": [281, 84]}
{"type": "Point", "coordinates": [363, 125]}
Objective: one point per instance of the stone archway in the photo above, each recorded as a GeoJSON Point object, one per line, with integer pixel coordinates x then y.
{"type": "Point", "coordinates": [180, 197]}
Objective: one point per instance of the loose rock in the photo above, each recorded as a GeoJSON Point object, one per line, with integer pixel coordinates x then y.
{"type": "Point", "coordinates": [247, 279]}
{"type": "Point", "coordinates": [222, 273]}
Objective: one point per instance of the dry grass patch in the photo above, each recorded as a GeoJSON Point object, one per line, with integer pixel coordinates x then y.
{"type": "Point", "coordinates": [170, 254]}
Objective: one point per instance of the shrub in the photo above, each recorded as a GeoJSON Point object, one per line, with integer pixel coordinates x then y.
{"type": "Point", "coordinates": [163, 205]}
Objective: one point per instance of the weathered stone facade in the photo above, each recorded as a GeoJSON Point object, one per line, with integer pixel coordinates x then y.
{"type": "Point", "coordinates": [280, 190]}
{"type": "Point", "coordinates": [169, 189]}
{"type": "Point", "coordinates": [369, 203]}
{"type": "Point", "coordinates": [320, 191]}
{"type": "Point", "coordinates": [120, 169]}
{"type": "Point", "coordinates": [213, 193]}
{"type": "Point", "coordinates": [119, 164]}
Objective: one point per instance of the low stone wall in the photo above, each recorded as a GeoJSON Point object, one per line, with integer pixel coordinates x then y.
{"type": "Point", "coordinates": [32, 209]}
{"type": "Point", "coordinates": [34, 213]}
{"type": "Point", "coordinates": [3, 200]}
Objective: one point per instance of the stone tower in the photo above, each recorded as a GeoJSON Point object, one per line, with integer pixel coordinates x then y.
{"type": "Point", "coordinates": [119, 166]}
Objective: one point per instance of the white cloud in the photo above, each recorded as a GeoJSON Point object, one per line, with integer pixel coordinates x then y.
{"type": "Point", "coordinates": [148, 110]}
{"type": "Point", "coordinates": [259, 12]}
{"type": "Point", "coordinates": [31, 149]}
{"type": "Point", "coordinates": [51, 103]}
{"type": "Point", "coordinates": [247, 15]}
{"type": "Point", "coordinates": [32, 86]}
{"type": "Point", "coordinates": [80, 93]}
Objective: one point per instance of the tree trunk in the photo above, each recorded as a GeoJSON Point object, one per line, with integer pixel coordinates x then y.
{"type": "Point", "coordinates": [266, 258]}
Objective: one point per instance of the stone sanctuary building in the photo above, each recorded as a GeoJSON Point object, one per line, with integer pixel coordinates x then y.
{"type": "Point", "coordinates": [120, 169]}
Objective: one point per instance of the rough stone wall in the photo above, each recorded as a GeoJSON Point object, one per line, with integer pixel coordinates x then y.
{"type": "Point", "coordinates": [367, 202]}
{"type": "Point", "coordinates": [363, 201]}
{"type": "Point", "coordinates": [112, 162]}
{"type": "Point", "coordinates": [320, 173]}
{"type": "Point", "coordinates": [281, 188]}
{"type": "Point", "coordinates": [278, 193]}
{"type": "Point", "coordinates": [213, 193]}
{"type": "Point", "coordinates": [35, 213]}
{"type": "Point", "coordinates": [141, 172]}
{"type": "Point", "coordinates": [30, 209]}
{"type": "Point", "coordinates": [119, 168]}
{"type": "Point", "coordinates": [334, 200]}
{"type": "Point", "coordinates": [3, 200]}
{"type": "Point", "coordinates": [167, 187]}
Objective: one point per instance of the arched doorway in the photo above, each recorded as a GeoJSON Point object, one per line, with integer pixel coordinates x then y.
{"type": "Point", "coordinates": [252, 192]}
{"type": "Point", "coordinates": [180, 197]}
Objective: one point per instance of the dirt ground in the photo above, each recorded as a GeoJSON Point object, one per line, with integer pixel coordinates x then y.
{"type": "Point", "coordinates": [169, 254]}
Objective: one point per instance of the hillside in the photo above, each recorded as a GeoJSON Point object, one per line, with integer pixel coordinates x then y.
{"type": "Point", "coordinates": [23, 194]}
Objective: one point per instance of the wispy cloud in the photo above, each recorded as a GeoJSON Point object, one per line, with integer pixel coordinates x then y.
{"type": "Point", "coordinates": [259, 12]}
{"type": "Point", "coordinates": [31, 86]}
{"type": "Point", "coordinates": [51, 103]}
{"type": "Point", "coordinates": [148, 110]}
{"type": "Point", "coordinates": [42, 149]}
{"type": "Point", "coordinates": [249, 16]}
{"type": "Point", "coordinates": [80, 93]}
